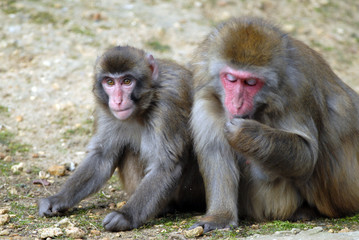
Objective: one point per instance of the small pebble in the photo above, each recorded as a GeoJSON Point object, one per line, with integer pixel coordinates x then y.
{"type": "Point", "coordinates": [344, 230]}
{"type": "Point", "coordinates": [120, 204]}
{"type": "Point", "coordinates": [50, 232]}
{"type": "Point", "coordinates": [5, 232]}
{"type": "Point", "coordinates": [4, 211]}
{"type": "Point", "coordinates": [74, 232]}
{"type": "Point", "coordinates": [195, 232]}
{"type": "Point", "coordinates": [65, 222]}
{"type": "Point", "coordinates": [5, 218]}
{"type": "Point", "coordinates": [57, 170]}
{"type": "Point", "coordinates": [95, 232]}
{"type": "Point", "coordinates": [17, 168]}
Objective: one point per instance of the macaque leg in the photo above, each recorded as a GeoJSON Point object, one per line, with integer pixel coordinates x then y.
{"type": "Point", "coordinates": [87, 179]}
{"type": "Point", "coordinates": [265, 200]}
{"type": "Point", "coordinates": [131, 172]}
{"type": "Point", "coordinates": [221, 201]}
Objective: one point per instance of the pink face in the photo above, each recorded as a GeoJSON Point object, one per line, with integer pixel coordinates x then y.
{"type": "Point", "coordinates": [240, 87]}
{"type": "Point", "coordinates": [119, 91]}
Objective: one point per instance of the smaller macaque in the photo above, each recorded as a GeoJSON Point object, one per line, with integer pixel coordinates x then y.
{"type": "Point", "coordinates": [141, 121]}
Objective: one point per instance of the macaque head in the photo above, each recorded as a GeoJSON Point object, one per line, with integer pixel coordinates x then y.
{"type": "Point", "coordinates": [124, 77]}
{"type": "Point", "coordinates": [247, 61]}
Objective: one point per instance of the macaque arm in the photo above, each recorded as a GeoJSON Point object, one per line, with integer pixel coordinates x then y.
{"type": "Point", "coordinates": [287, 153]}
{"type": "Point", "coordinates": [221, 182]}
{"type": "Point", "coordinates": [219, 171]}
{"type": "Point", "coordinates": [148, 199]}
{"type": "Point", "coordinates": [162, 173]}
{"type": "Point", "coordinates": [92, 173]}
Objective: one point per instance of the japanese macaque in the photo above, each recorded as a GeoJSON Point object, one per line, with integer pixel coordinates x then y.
{"type": "Point", "coordinates": [142, 129]}
{"type": "Point", "coordinates": [275, 130]}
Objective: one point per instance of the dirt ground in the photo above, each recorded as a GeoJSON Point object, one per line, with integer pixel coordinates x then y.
{"type": "Point", "coordinates": [47, 52]}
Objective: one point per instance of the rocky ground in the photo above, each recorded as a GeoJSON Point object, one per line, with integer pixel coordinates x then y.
{"type": "Point", "coordinates": [47, 52]}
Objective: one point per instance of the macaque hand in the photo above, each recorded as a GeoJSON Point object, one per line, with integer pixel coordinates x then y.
{"type": "Point", "coordinates": [234, 125]}
{"type": "Point", "coordinates": [243, 134]}
{"type": "Point", "coordinates": [116, 221]}
{"type": "Point", "coordinates": [51, 206]}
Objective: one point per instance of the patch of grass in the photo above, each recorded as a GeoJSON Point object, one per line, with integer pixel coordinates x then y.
{"type": "Point", "coordinates": [4, 110]}
{"type": "Point", "coordinates": [327, 9]}
{"type": "Point", "coordinates": [114, 179]}
{"type": "Point", "coordinates": [81, 217]}
{"type": "Point", "coordinates": [277, 225]}
{"type": "Point", "coordinates": [26, 218]}
{"type": "Point", "coordinates": [220, 234]}
{"type": "Point", "coordinates": [157, 45]}
{"type": "Point", "coordinates": [19, 147]}
{"type": "Point", "coordinates": [355, 36]}
{"type": "Point", "coordinates": [7, 138]}
{"type": "Point", "coordinates": [246, 229]}
{"type": "Point", "coordinates": [17, 207]}
{"type": "Point", "coordinates": [65, 21]}
{"type": "Point", "coordinates": [212, 3]}
{"type": "Point", "coordinates": [338, 224]}
{"type": "Point", "coordinates": [88, 121]}
{"type": "Point", "coordinates": [61, 120]}
{"type": "Point", "coordinates": [85, 222]}
{"type": "Point", "coordinates": [102, 198]}
{"type": "Point", "coordinates": [170, 223]}
{"type": "Point", "coordinates": [5, 168]}
{"type": "Point", "coordinates": [22, 214]}
{"type": "Point", "coordinates": [8, 7]}
{"type": "Point", "coordinates": [82, 30]}
{"type": "Point", "coordinates": [104, 27]}
{"type": "Point", "coordinates": [35, 170]}
{"type": "Point", "coordinates": [76, 131]}
{"type": "Point", "coordinates": [42, 18]}
{"type": "Point", "coordinates": [189, 223]}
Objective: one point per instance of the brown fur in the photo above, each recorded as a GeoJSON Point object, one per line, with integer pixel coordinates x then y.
{"type": "Point", "coordinates": [299, 147]}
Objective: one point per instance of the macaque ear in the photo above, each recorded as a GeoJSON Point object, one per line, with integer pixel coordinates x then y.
{"type": "Point", "coordinates": [153, 65]}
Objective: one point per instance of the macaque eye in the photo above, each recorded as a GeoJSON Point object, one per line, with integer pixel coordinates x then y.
{"type": "Point", "coordinates": [110, 82]}
{"type": "Point", "coordinates": [250, 82]}
{"type": "Point", "coordinates": [127, 81]}
{"type": "Point", "coordinates": [230, 77]}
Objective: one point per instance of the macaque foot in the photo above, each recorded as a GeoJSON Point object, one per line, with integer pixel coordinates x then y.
{"type": "Point", "coordinates": [116, 221]}
{"type": "Point", "coordinates": [305, 213]}
{"type": "Point", "coordinates": [210, 223]}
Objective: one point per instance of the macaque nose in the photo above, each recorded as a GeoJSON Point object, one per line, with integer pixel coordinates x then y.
{"type": "Point", "coordinates": [237, 102]}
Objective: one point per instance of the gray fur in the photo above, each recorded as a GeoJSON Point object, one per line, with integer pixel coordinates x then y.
{"type": "Point", "coordinates": [152, 149]}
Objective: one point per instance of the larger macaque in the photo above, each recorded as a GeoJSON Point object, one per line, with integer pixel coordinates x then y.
{"type": "Point", "coordinates": [276, 131]}
{"type": "Point", "coordinates": [142, 112]}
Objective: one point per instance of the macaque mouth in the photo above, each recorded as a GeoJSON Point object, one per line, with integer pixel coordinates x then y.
{"type": "Point", "coordinates": [122, 110]}
{"type": "Point", "coordinates": [244, 116]}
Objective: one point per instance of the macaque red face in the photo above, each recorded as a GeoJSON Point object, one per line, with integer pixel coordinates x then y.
{"type": "Point", "coordinates": [240, 87]}
{"type": "Point", "coordinates": [119, 89]}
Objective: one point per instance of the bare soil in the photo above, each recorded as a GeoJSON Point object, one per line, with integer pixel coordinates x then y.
{"type": "Point", "coordinates": [47, 52]}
